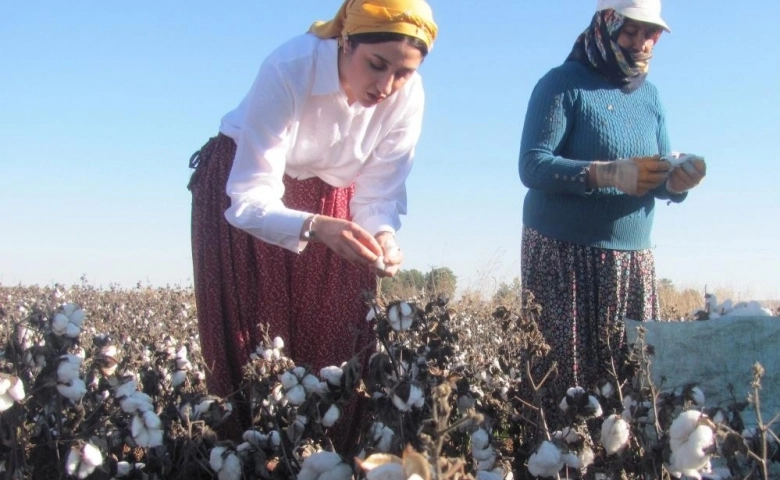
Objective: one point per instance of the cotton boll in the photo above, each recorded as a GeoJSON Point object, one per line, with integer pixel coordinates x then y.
{"type": "Point", "coordinates": [594, 407]}
{"type": "Point", "coordinates": [332, 375]}
{"type": "Point", "coordinates": [274, 438]}
{"type": "Point", "coordinates": [155, 437]}
{"type": "Point", "coordinates": [289, 380]}
{"type": "Point", "coordinates": [690, 437]}
{"type": "Point", "coordinates": [614, 434]}
{"type": "Point", "coordinates": [231, 468]}
{"type": "Point", "coordinates": [151, 420]}
{"type": "Point", "coordinates": [311, 383]}
{"type": "Point", "coordinates": [59, 324]}
{"type": "Point", "coordinates": [126, 389]}
{"type": "Point", "coordinates": [480, 439]}
{"type": "Point", "coordinates": [91, 454]}
{"type": "Point", "coordinates": [484, 454]}
{"type": "Point", "coordinates": [72, 330]}
{"type": "Point", "coordinates": [72, 461]}
{"type": "Point", "coordinates": [382, 436]}
{"type": "Point", "coordinates": [278, 343]}
{"type": "Point", "coordinates": [216, 458]}
{"type": "Point", "coordinates": [682, 426]}
{"type": "Point", "coordinates": [123, 469]}
{"type": "Point", "coordinates": [178, 378]}
{"type": "Point", "coordinates": [68, 368]}
{"type": "Point", "coordinates": [394, 315]}
{"type": "Point", "coordinates": [490, 475]}
{"type": "Point", "coordinates": [379, 263]}
{"type": "Point", "coordinates": [342, 471]}
{"type": "Point", "coordinates": [331, 416]}
{"type": "Point", "coordinates": [296, 395]}
{"type": "Point", "coordinates": [6, 402]}
{"type": "Point", "coordinates": [690, 457]}
{"type": "Point", "coordinates": [73, 390]}
{"type": "Point", "coordinates": [387, 471]}
{"type": "Point", "coordinates": [322, 461]}
{"type": "Point", "coordinates": [405, 308]}
{"type": "Point", "coordinates": [16, 390]}
{"type": "Point", "coordinates": [416, 397]}
{"type": "Point", "coordinates": [547, 461]}
{"type": "Point", "coordinates": [400, 404]}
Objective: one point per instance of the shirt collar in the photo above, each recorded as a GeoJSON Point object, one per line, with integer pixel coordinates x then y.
{"type": "Point", "coordinates": [326, 70]}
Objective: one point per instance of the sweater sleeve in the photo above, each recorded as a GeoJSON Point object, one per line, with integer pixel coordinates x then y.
{"type": "Point", "coordinates": [548, 122]}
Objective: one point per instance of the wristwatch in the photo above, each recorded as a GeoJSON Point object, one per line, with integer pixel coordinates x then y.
{"type": "Point", "coordinates": [308, 233]}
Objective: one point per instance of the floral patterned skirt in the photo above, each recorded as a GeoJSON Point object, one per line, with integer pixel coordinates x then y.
{"type": "Point", "coordinates": [313, 300]}
{"type": "Point", "coordinates": [585, 293]}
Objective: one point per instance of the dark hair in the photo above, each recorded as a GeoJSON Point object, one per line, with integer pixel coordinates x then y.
{"type": "Point", "coordinates": [381, 37]}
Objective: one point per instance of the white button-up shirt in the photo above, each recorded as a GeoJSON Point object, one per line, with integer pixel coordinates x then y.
{"type": "Point", "coordinates": [296, 120]}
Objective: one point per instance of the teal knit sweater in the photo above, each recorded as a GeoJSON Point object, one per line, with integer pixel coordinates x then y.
{"type": "Point", "coordinates": [574, 117]}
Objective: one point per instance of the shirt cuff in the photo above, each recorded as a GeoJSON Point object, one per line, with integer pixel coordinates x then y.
{"type": "Point", "coordinates": [283, 228]}
{"type": "Point", "coordinates": [380, 223]}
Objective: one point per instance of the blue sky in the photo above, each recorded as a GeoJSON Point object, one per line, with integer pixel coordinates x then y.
{"type": "Point", "coordinates": [103, 103]}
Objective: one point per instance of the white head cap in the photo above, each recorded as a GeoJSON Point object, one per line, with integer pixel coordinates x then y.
{"type": "Point", "coordinates": [648, 11]}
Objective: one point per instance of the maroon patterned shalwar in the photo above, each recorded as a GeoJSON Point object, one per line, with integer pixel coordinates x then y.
{"type": "Point", "coordinates": [313, 300]}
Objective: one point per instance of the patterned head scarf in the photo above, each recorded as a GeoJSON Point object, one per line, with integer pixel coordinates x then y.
{"type": "Point", "coordinates": [408, 17]}
{"type": "Point", "coordinates": [597, 48]}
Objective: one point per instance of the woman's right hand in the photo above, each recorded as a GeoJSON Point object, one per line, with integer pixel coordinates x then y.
{"type": "Point", "coordinates": [634, 176]}
{"type": "Point", "coordinates": [347, 239]}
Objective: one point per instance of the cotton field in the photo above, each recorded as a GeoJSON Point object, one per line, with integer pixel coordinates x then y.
{"type": "Point", "coordinates": [110, 383]}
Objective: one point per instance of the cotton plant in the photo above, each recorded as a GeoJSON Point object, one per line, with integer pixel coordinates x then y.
{"type": "Point", "coordinates": [11, 391]}
{"type": "Point", "coordinates": [408, 395]}
{"type": "Point", "coordinates": [578, 454]}
{"type": "Point", "coordinates": [546, 461]}
{"type": "Point", "coordinates": [183, 367]}
{"type": "Point", "coordinates": [691, 439]}
{"type": "Point", "coordinates": [69, 383]}
{"type": "Point", "coordinates": [125, 469]}
{"type": "Point", "coordinates": [270, 352]}
{"type": "Point", "coordinates": [382, 437]}
{"type": "Point", "coordinates": [68, 322]}
{"type": "Point", "coordinates": [147, 429]}
{"type": "Point", "coordinates": [225, 462]}
{"type": "Point", "coordinates": [212, 409]}
{"type": "Point", "coordinates": [324, 465]}
{"type": "Point", "coordinates": [482, 451]}
{"type": "Point", "coordinates": [615, 433]}
{"type": "Point", "coordinates": [580, 405]}
{"type": "Point", "coordinates": [83, 460]}
{"type": "Point", "coordinates": [412, 465]}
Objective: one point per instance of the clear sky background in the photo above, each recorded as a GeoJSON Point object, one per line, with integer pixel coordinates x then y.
{"type": "Point", "coordinates": [102, 104]}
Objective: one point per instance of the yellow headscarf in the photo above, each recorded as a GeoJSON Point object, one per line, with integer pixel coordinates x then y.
{"type": "Point", "coordinates": [408, 17]}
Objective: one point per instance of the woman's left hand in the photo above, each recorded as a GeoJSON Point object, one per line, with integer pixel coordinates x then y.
{"type": "Point", "coordinates": [390, 262]}
{"type": "Point", "coordinates": [683, 179]}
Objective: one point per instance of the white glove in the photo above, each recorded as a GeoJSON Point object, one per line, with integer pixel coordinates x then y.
{"type": "Point", "coordinates": [634, 176]}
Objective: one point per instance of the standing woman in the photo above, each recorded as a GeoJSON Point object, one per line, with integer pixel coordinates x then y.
{"type": "Point", "coordinates": [297, 201]}
{"type": "Point", "coordinates": [590, 156]}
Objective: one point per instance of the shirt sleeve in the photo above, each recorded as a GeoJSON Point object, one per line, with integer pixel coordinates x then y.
{"type": "Point", "coordinates": [548, 121]}
{"type": "Point", "coordinates": [255, 184]}
{"type": "Point", "coordinates": [380, 188]}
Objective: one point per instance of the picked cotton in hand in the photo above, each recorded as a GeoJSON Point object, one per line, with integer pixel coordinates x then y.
{"type": "Point", "coordinates": [684, 160]}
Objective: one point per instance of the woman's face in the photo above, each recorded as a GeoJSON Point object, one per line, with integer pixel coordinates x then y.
{"type": "Point", "coordinates": [371, 72]}
{"type": "Point", "coordinates": [639, 38]}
